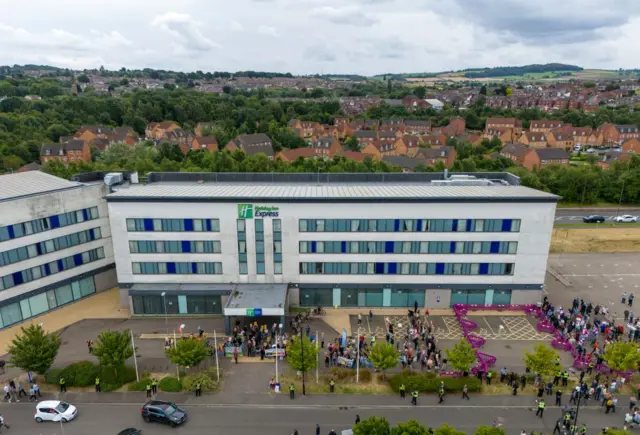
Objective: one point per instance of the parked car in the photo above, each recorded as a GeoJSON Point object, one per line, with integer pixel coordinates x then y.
{"type": "Point", "coordinates": [163, 412]}
{"type": "Point", "coordinates": [130, 431]}
{"type": "Point", "coordinates": [591, 151]}
{"type": "Point", "coordinates": [593, 219]}
{"type": "Point", "coordinates": [626, 218]}
{"type": "Point", "coordinates": [55, 410]}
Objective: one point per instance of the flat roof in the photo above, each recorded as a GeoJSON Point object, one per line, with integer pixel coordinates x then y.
{"type": "Point", "coordinates": [245, 299]}
{"type": "Point", "coordinates": [24, 184]}
{"type": "Point", "coordinates": [352, 192]}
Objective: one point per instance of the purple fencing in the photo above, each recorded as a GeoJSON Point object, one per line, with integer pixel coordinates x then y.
{"type": "Point", "coordinates": [467, 325]}
{"type": "Point", "coordinates": [475, 340]}
{"type": "Point", "coordinates": [545, 326]}
{"type": "Point", "coordinates": [485, 358]}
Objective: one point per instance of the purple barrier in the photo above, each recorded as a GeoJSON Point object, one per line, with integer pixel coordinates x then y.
{"type": "Point", "coordinates": [451, 374]}
{"type": "Point", "coordinates": [545, 326]}
{"type": "Point", "coordinates": [467, 324]}
{"type": "Point", "coordinates": [561, 344]}
{"type": "Point", "coordinates": [485, 358]}
{"type": "Point", "coordinates": [475, 340]}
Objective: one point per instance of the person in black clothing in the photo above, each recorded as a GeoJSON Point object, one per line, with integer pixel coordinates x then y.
{"type": "Point", "coordinates": [558, 398]}
{"type": "Point", "coordinates": [317, 429]}
{"type": "Point", "coordinates": [357, 418]}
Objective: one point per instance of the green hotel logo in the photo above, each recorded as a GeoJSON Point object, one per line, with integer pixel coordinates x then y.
{"type": "Point", "coordinates": [249, 211]}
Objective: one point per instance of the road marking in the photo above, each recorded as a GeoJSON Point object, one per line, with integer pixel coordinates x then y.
{"type": "Point", "coordinates": [603, 274]}
{"type": "Point", "coordinates": [487, 322]}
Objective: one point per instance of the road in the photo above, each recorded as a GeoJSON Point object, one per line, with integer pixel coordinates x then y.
{"type": "Point", "coordinates": [109, 419]}
{"type": "Point", "coordinates": [575, 215]}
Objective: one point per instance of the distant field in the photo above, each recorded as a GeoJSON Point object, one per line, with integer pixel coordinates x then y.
{"type": "Point", "coordinates": [587, 74]}
{"type": "Point", "coordinates": [595, 240]}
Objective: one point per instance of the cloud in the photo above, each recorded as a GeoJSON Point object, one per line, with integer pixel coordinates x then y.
{"type": "Point", "coordinates": [237, 26]}
{"type": "Point", "coordinates": [347, 15]}
{"type": "Point", "coordinates": [320, 52]}
{"type": "Point", "coordinates": [267, 30]}
{"type": "Point", "coordinates": [185, 31]}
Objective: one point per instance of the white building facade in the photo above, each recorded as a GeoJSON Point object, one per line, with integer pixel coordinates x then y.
{"type": "Point", "coordinates": [55, 244]}
{"type": "Point", "coordinates": [347, 244]}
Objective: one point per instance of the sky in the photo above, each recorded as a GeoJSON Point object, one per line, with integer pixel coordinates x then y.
{"type": "Point", "coordinates": [319, 36]}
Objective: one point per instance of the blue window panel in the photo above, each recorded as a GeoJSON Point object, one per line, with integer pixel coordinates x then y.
{"type": "Point", "coordinates": [379, 268]}
{"type": "Point", "coordinates": [188, 224]}
{"type": "Point", "coordinates": [468, 225]}
{"type": "Point", "coordinates": [60, 265]}
{"type": "Point", "coordinates": [506, 225]}
{"type": "Point", "coordinates": [393, 268]}
{"type": "Point", "coordinates": [47, 270]}
{"type": "Point", "coordinates": [495, 247]}
{"type": "Point", "coordinates": [396, 225]}
{"type": "Point", "coordinates": [55, 222]}
{"type": "Point", "coordinates": [208, 221]}
{"type": "Point", "coordinates": [92, 234]}
{"type": "Point", "coordinates": [484, 269]}
{"type": "Point", "coordinates": [454, 225]}
{"type": "Point", "coordinates": [39, 248]}
{"type": "Point", "coordinates": [77, 259]}
{"type": "Point", "coordinates": [313, 246]}
{"type": "Point", "coordinates": [186, 246]}
{"type": "Point", "coordinates": [12, 234]}
{"type": "Point", "coordinates": [388, 247]}
{"type": "Point", "coordinates": [171, 267]}
{"type": "Point", "coordinates": [194, 268]}
{"type": "Point", "coordinates": [419, 225]}
{"type": "Point", "coordinates": [439, 268]}
{"type": "Point", "coordinates": [452, 247]}
{"type": "Point", "coordinates": [343, 247]}
{"type": "Point", "coordinates": [17, 278]}
{"type": "Point", "coordinates": [85, 214]}
{"type": "Point", "coordinates": [148, 224]}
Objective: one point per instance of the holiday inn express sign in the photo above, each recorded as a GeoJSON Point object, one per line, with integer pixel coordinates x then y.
{"type": "Point", "coordinates": [249, 211]}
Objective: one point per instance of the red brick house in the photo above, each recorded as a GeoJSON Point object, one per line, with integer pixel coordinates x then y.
{"type": "Point", "coordinates": [631, 146]}
{"type": "Point", "coordinates": [365, 136]}
{"type": "Point", "coordinates": [445, 154]}
{"type": "Point", "coordinates": [417, 127]}
{"type": "Point", "coordinates": [613, 156]}
{"type": "Point", "coordinates": [290, 155]}
{"type": "Point", "coordinates": [326, 146]}
{"type": "Point", "coordinates": [434, 141]}
{"type": "Point", "coordinates": [458, 125]}
{"type": "Point", "coordinates": [74, 150]}
{"type": "Point", "coordinates": [545, 125]}
{"type": "Point", "coordinates": [209, 143]}
{"type": "Point", "coordinates": [377, 150]}
{"type": "Point", "coordinates": [159, 130]}
{"type": "Point", "coordinates": [252, 144]}
{"type": "Point", "coordinates": [407, 145]}
{"type": "Point", "coordinates": [534, 140]}
{"type": "Point", "coordinates": [502, 123]}
{"type": "Point", "coordinates": [617, 134]}
{"type": "Point", "coordinates": [538, 158]}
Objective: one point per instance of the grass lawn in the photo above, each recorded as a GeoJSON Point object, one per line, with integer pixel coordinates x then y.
{"type": "Point", "coordinates": [611, 238]}
{"type": "Point", "coordinates": [342, 387]}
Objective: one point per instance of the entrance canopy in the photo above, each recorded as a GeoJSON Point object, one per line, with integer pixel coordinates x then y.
{"type": "Point", "coordinates": [255, 300]}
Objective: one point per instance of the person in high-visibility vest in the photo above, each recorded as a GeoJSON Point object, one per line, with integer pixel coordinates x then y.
{"type": "Point", "coordinates": [154, 386]}
{"type": "Point", "coordinates": [292, 391]}
{"type": "Point", "coordinates": [403, 389]}
{"type": "Point", "coordinates": [590, 368]}
{"type": "Point", "coordinates": [414, 398]}
{"type": "Point", "coordinates": [540, 410]}
{"type": "Point", "coordinates": [332, 386]}
{"type": "Point", "coordinates": [489, 376]}
{"type": "Point", "coordinates": [198, 389]}
{"type": "Point", "coordinates": [556, 377]}
{"type": "Point", "coordinates": [565, 378]}
{"type": "Point", "coordinates": [148, 388]}
{"type": "Point", "coordinates": [63, 385]}
{"type": "Point", "coordinates": [97, 384]}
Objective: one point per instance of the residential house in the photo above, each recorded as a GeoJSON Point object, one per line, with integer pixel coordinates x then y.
{"type": "Point", "coordinates": [252, 144]}
{"type": "Point", "coordinates": [340, 121]}
{"type": "Point", "coordinates": [326, 146]}
{"type": "Point", "coordinates": [514, 152]}
{"type": "Point", "coordinates": [75, 150]}
{"type": "Point", "coordinates": [305, 129]}
{"type": "Point", "coordinates": [434, 141]}
{"type": "Point", "coordinates": [534, 140]}
{"type": "Point", "coordinates": [610, 157]}
{"type": "Point", "coordinates": [387, 136]}
{"type": "Point", "coordinates": [631, 146]}
{"type": "Point", "coordinates": [99, 144]}
{"type": "Point", "coordinates": [204, 127]}
{"type": "Point", "coordinates": [540, 157]}
{"type": "Point", "coordinates": [435, 104]}
{"type": "Point", "coordinates": [159, 130]}
{"type": "Point", "coordinates": [124, 135]}
{"type": "Point", "coordinates": [617, 134]}
{"type": "Point", "coordinates": [290, 155]}
{"type": "Point", "coordinates": [371, 124]}
{"type": "Point", "coordinates": [356, 156]}
{"type": "Point", "coordinates": [580, 134]}
{"type": "Point", "coordinates": [33, 166]}
{"type": "Point", "coordinates": [411, 102]}
{"type": "Point", "coordinates": [473, 139]}
{"type": "Point", "coordinates": [365, 136]}
{"type": "Point", "coordinates": [502, 123]}
{"type": "Point", "coordinates": [445, 154]}
{"type": "Point", "coordinates": [407, 145]}
{"type": "Point", "coordinates": [88, 133]}
{"type": "Point", "coordinates": [377, 150]}
{"type": "Point", "coordinates": [545, 125]}
{"type": "Point", "coordinates": [209, 143]}
{"type": "Point", "coordinates": [458, 125]}
{"type": "Point", "coordinates": [417, 127]}
{"type": "Point", "coordinates": [505, 134]}
{"type": "Point", "coordinates": [408, 164]}
{"type": "Point", "coordinates": [357, 124]}
{"type": "Point", "coordinates": [560, 139]}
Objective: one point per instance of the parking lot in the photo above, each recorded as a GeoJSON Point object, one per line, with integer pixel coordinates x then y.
{"type": "Point", "coordinates": [574, 216]}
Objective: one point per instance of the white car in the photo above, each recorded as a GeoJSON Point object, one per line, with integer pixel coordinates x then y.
{"type": "Point", "coordinates": [626, 218]}
{"type": "Point", "coordinates": [55, 410]}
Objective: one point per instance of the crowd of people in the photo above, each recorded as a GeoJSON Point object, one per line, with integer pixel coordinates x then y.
{"type": "Point", "coordinates": [13, 391]}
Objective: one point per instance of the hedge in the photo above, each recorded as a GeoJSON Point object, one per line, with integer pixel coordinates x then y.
{"type": "Point", "coordinates": [428, 383]}
{"type": "Point", "coordinates": [84, 373]}
{"type": "Point", "coordinates": [207, 383]}
{"type": "Point", "coordinates": [170, 384]}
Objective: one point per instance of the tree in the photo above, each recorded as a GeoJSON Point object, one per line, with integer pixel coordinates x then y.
{"type": "Point", "coordinates": [542, 360]}
{"type": "Point", "coordinates": [420, 91]}
{"type": "Point", "coordinates": [462, 356]}
{"type": "Point", "coordinates": [187, 353]}
{"type": "Point", "coordinates": [34, 350]}
{"type": "Point", "coordinates": [622, 356]}
{"type": "Point", "coordinates": [113, 348]}
{"type": "Point", "coordinates": [297, 349]}
{"type": "Point", "coordinates": [384, 356]}
{"type": "Point", "coordinates": [372, 426]}
{"type": "Point", "coordinates": [509, 92]}
{"type": "Point", "coordinates": [489, 430]}
{"type": "Point", "coordinates": [447, 430]}
{"type": "Point", "coordinates": [351, 143]}
{"type": "Point", "coordinates": [483, 90]}
{"type": "Point", "coordinates": [411, 427]}
{"type": "Point", "coordinates": [83, 78]}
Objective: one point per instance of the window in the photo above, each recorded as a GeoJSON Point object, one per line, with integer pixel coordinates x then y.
{"type": "Point", "coordinates": [339, 268]}
{"type": "Point", "coordinates": [405, 225]}
{"type": "Point", "coordinates": [171, 246]}
{"type": "Point", "coordinates": [176, 268]}
{"type": "Point", "coordinates": [243, 266]}
{"type": "Point", "coordinates": [172, 225]}
{"type": "Point", "coordinates": [316, 297]}
{"type": "Point", "coordinates": [277, 246]}
{"type": "Point", "coordinates": [259, 231]}
{"type": "Point", "coordinates": [16, 231]}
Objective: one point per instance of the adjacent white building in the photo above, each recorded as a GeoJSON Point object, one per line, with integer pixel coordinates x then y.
{"type": "Point", "coordinates": [185, 242]}
{"type": "Point", "coordinates": [55, 244]}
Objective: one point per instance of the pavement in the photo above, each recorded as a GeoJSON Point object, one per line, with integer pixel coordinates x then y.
{"type": "Point", "coordinates": [575, 215]}
{"type": "Point", "coordinates": [267, 415]}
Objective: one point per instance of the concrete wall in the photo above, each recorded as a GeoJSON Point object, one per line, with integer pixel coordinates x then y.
{"type": "Point", "coordinates": [432, 299]}
{"type": "Point", "coordinates": [106, 280]}
{"type": "Point", "coordinates": [521, 297]}
{"type": "Point", "coordinates": [293, 297]}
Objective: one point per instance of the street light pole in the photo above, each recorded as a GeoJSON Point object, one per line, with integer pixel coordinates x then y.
{"type": "Point", "coordinates": [304, 391]}
{"type": "Point", "coordinates": [277, 330]}
{"type": "Point", "coordinates": [164, 303]}
{"type": "Point", "coordinates": [358, 357]}
{"type": "Point", "coordinates": [575, 420]}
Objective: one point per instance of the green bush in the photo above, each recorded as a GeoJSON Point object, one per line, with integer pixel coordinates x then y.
{"type": "Point", "coordinates": [80, 374]}
{"type": "Point", "coordinates": [208, 384]}
{"type": "Point", "coordinates": [170, 384]}
{"type": "Point", "coordinates": [53, 376]}
{"type": "Point", "coordinates": [342, 374]}
{"type": "Point", "coordinates": [365, 375]}
{"type": "Point", "coordinates": [425, 384]}
{"type": "Point", "coordinates": [140, 385]}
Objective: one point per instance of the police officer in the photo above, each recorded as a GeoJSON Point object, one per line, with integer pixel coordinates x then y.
{"type": "Point", "coordinates": [403, 389]}
{"type": "Point", "coordinates": [558, 397]}
{"type": "Point", "coordinates": [583, 429]}
{"type": "Point", "coordinates": [565, 378]}
{"type": "Point", "coordinates": [540, 410]}
{"type": "Point", "coordinates": [556, 377]}
{"type": "Point", "coordinates": [154, 386]}
{"type": "Point", "coordinates": [489, 376]}
{"type": "Point", "coordinates": [292, 391]}
{"type": "Point", "coordinates": [148, 388]}
{"type": "Point", "coordinates": [558, 427]}
{"type": "Point", "coordinates": [332, 386]}
{"type": "Point", "coordinates": [414, 398]}
{"type": "Point", "coordinates": [567, 420]}
{"type": "Point", "coordinates": [441, 393]}
{"type": "Point", "coordinates": [198, 389]}
{"type": "Point", "coordinates": [63, 386]}
{"type": "Point", "coordinates": [590, 368]}
{"type": "Point", "coordinates": [97, 384]}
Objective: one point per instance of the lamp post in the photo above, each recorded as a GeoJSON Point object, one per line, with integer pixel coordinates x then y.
{"type": "Point", "coordinates": [164, 303]}
{"type": "Point", "coordinates": [575, 420]}
{"type": "Point", "coordinates": [304, 391]}
{"type": "Point", "coordinates": [358, 356]}
{"type": "Point", "coordinates": [276, 354]}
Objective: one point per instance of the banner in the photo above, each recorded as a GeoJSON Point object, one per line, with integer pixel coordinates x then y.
{"type": "Point", "coordinates": [346, 362]}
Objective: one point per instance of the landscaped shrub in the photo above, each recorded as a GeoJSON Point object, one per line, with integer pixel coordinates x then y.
{"type": "Point", "coordinates": [342, 374]}
{"type": "Point", "coordinates": [189, 382]}
{"type": "Point", "coordinates": [141, 385]}
{"type": "Point", "coordinates": [170, 384]}
{"type": "Point", "coordinates": [80, 374]}
{"type": "Point", "coordinates": [53, 376]}
{"type": "Point", "coordinates": [84, 373]}
{"type": "Point", "coordinates": [365, 375]}
{"type": "Point", "coordinates": [415, 381]}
